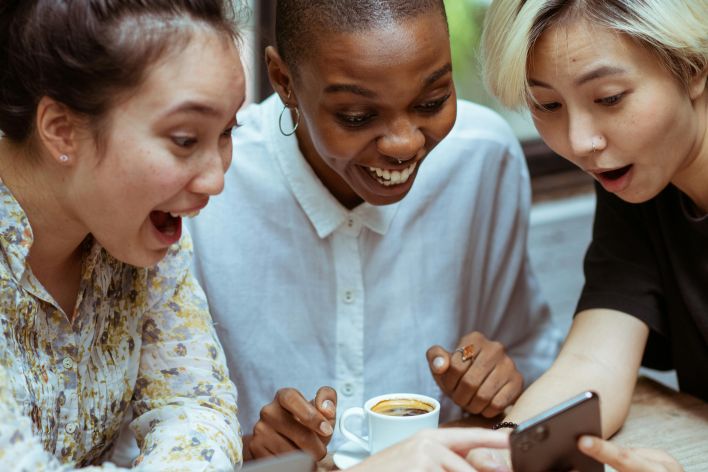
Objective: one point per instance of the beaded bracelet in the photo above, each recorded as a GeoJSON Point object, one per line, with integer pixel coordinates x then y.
{"type": "Point", "coordinates": [505, 424]}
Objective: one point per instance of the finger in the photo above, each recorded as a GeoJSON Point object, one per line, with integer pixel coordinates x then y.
{"type": "Point", "coordinates": [266, 441]}
{"type": "Point", "coordinates": [462, 440]}
{"type": "Point", "coordinates": [617, 457]}
{"type": "Point", "coordinates": [451, 462]}
{"type": "Point", "coordinates": [326, 402]}
{"type": "Point", "coordinates": [304, 412]}
{"type": "Point", "coordinates": [474, 378]}
{"type": "Point", "coordinates": [489, 460]}
{"type": "Point", "coordinates": [438, 360]}
{"type": "Point", "coordinates": [504, 397]}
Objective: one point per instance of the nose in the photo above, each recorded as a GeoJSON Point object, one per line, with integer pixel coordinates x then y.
{"type": "Point", "coordinates": [210, 178]}
{"type": "Point", "coordinates": [583, 134]}
{"type": "Point", "coordinates": [403, 141]}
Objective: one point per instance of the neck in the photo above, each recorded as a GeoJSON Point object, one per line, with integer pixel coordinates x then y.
{"type": "Point", "coordinates": [38, 187]}
{"type": "Point", "coordinates": [693, 178]}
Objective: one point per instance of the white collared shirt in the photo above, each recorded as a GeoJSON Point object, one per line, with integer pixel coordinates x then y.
{"type": "Point", "coordinates": [306, 293]}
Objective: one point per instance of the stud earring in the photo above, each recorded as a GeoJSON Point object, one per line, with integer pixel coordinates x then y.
{"type": "Point", "coordinates": [63, 158]}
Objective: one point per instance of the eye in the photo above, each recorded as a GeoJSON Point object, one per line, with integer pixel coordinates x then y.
{"type": "Point", "coordinates": [547, 107]}
{"type": "Point", "coordinates": [610, 101]}
{"type": "Point", "coordinates": [433, 106]}
{"type": "Point", "coordinates": [184, 141]}
{"type": "Point", "coordinates": [354, 120]}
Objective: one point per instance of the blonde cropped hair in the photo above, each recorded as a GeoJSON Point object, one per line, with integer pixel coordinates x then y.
{"type": "Point", "coordinates": [674, 30]}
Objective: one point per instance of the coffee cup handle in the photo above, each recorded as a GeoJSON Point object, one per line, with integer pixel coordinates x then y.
{"type": "Point", "coordinates": [360, 440]}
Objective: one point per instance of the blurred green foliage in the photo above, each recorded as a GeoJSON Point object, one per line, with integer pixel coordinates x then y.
{"type": "Point", "coordinates": [465, 18]}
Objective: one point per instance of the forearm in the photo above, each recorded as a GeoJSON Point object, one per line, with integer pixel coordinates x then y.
{"type": "Point", "coordinates": [602, 353]}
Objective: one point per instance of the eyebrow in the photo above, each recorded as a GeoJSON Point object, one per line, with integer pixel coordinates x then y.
{"type": "Point", "coordinates": [598, 73]}
{"type": "Point", "coordinates": [357, 90]}
{"type": "Point", "coordinates": [192, 107]}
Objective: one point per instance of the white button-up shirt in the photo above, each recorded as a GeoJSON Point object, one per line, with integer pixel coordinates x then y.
{"type": "Point", "coordinates": [306, 293]}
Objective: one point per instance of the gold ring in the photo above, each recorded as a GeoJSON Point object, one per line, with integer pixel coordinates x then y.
{"type": "Point", "coordinates": [467, 352]}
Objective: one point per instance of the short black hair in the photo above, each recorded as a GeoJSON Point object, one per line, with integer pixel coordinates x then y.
{"type": "Point", "coordinates": [297, 22]}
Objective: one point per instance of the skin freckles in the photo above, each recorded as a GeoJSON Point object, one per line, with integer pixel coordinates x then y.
{"type": "Point", "coordinates": [371, 99]}
{"type": "Point", "coordinates": [167, 150]}
{"type": "Point", "coordinates": [597, 86]}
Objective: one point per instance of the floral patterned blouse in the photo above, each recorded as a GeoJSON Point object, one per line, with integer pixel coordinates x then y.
{"type": "Point", "coordinates": [140, 337]}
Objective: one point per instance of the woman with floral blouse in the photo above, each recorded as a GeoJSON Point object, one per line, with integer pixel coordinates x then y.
{"type": "Point", "coordinates": [110, 138]}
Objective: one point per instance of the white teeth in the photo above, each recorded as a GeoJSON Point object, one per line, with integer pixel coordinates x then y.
{"type": "Point", "coordinates": [395, 177]}
{"type": "Point", "coordinates": [184, 215]}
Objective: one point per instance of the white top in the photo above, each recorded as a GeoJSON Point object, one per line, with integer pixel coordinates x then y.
{"type": "Point", "coordinates": [306, 293]}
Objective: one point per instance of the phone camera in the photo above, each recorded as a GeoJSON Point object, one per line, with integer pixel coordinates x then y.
{"type": "Point", "coordinates": [540, 433]}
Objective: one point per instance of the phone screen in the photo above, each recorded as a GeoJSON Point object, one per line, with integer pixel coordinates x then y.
{"type": "Point", "coordinates": [548, 442]}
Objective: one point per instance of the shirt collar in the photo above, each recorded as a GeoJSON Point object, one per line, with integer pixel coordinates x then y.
{"type": "Point", "coordinates": [323, 210]}
{"type": "Point", "coordinates": [16, 236]}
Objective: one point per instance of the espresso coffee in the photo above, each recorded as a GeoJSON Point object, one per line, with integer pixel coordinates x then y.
{"type": "Point", "coordinates": [402, 407]}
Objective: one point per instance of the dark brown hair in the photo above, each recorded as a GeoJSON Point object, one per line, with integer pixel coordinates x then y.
{"type": "Point", "coordinates": [87, 53]}
{"type": "Point", "coordinates": [297, 22]}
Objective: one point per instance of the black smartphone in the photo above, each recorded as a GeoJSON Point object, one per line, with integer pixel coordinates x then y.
{"type": "Point", "coordinates": [548, 442]}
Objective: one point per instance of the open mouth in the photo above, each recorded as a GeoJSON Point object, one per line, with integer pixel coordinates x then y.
{"type": "Point", "coordinates": [388, 177]}
{"type": "Point", "coordinates": [166, 223]}
{"type": "Point", "coordinates": [615, 174]}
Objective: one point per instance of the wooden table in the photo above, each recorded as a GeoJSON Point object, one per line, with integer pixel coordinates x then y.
{"type": "Point", "coordinates": [658, 418]}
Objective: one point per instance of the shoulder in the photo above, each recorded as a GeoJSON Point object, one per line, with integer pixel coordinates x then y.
{"type": "Point", "coordinates": [478, 122]}
{"type": "Point", "coordinates": [481, 142]}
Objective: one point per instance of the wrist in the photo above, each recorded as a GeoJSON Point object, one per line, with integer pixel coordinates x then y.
{"type": "Point", "coordinates": [505, 425]}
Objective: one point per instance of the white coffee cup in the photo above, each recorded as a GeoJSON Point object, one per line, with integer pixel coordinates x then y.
{"type": "Point", "coordinates": [386, 429]}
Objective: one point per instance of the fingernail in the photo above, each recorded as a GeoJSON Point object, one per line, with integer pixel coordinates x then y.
{"type": "Point", "coordinates": [495, 466]}
{"type": "Point", "coordinates": [438, 363]}
{"type": "Point", "coordinates": [326, 428]}
{"type": "Point", "coordinates": [328, 405]}
{"type": "Point", "coordinates": [586, 442]}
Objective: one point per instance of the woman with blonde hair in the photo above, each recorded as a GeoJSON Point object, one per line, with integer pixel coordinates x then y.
{"type": "Point", "coordinates": [618, 88]}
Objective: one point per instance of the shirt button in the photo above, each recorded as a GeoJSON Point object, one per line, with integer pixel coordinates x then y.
{"type": "Point", "coordinates": [350, 222]}
{"type": "Point", "coordinates": [71, 428]}
{"type": "Point", "coordinates": [348, 389]}
{"type": "Point", "coordinates": [68, 363]}
{"type": "Point", "coordinates": [349, 296]}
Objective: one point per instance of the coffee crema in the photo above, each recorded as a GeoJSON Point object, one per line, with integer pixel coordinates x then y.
{"type": "Point", "coordinates": [402, 407]}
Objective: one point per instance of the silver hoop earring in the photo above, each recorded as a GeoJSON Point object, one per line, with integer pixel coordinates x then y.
{"type": "Point", "coordinates": [63, 158]}
{"type": "Point", "coordinates": [297, 120]}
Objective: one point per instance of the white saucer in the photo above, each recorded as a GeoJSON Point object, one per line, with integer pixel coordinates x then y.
{"type": "Point", "coordinates": [348, 455]}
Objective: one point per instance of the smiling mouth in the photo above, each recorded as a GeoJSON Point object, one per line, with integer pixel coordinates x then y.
{"type": "Point", "coordinates": [615, 174]}
{"type": "Point", "coordinates": [392, 177]}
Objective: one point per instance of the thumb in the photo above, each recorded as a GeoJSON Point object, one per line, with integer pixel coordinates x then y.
{"type": "Point", "coordinates": [326, 402]}
{"type": "Point", "coordinates": [438, 360]}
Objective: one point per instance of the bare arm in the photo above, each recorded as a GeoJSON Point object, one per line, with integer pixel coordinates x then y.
{"type": "Point", "coordinates": [602, 352]}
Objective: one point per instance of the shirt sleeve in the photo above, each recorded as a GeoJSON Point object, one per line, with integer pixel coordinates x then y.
{"type": "Point", "coordinates": [20, 449]}
{"type": "Point", "coordinates": [621, 272]}
{"type": "Point", "coordinates": [515, 312]}
{"type": "Point", "coordinates": [184, 401]}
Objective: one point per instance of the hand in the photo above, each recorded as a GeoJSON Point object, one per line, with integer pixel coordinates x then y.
{"type": "Point", "coordinates": [490, 460]}
{"type": "Point", "coordinates": [626, 459]}
{"type": "Point", "coordinates": [434, 450]}
{"type": "Point", "coordinates": [486, 384]}
{"type": "Point", "coordinates": [290, 422]}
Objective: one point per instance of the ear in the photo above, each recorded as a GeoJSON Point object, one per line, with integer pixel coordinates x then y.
{"type": "Point", "coordinates": [57, 129]}
{"type": "Point", "coordinates": [280, 77]}
{"type": "Point", "coordinates": [697, 85]}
